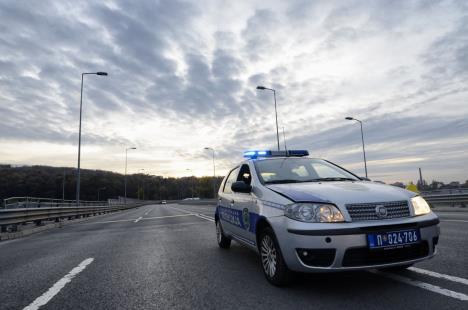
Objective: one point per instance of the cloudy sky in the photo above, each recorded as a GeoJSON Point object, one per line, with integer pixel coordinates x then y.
{"type": "Point", "coordinates": [182, 76]}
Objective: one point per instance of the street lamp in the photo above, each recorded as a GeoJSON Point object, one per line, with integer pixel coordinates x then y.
{"type": "Point", "coordinates": [125, 176]}
{"type": "Point", "coordinates": [188, 169]}
{"type": "Point", "coordinates": [214, 170]}
{"type": "Point", "coordinates": [276, 113]}
{"type": "Point", "coordinates": [349, 118]}
{"type": "Point", "coordinates": [79, 135]}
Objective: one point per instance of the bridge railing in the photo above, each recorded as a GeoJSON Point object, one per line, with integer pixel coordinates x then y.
{"type": "Point", "coordinates": [452, 200]}
{"type": "Point", "coordinates": [14, 217]}
{"type": "Point", "coordinates": [35, 202]}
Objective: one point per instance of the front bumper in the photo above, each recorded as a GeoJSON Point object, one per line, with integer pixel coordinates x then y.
{"type": "Point", "coordinates": [322, 247]}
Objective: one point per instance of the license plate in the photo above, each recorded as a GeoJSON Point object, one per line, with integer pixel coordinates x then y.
{"type": "Point", "coordinates": [393, 238]}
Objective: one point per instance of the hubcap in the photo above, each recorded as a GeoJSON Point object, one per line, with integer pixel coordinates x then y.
{"type": "Point", "coordinates": [218, 232]}
{"type": "Point", "coordinates": [268, 253]}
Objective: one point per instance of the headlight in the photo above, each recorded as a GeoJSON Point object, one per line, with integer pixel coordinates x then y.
{"type": "Point", "coordinates": [420, 206]}
{"type": "Point", "coordinates": [313, 213]}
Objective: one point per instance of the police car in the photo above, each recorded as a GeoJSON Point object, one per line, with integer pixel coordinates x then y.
{"type": "Point", "coordinates": [309, 215]}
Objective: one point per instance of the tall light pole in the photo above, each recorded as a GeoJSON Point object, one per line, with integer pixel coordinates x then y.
{"type": "Point", "coordinates": [79, 136]}
{"type": "Point", "coordinates": [349, 118]}
{"type": "Point", "coordinates": [276, 113]}
{"type": "Point", "coordinates": [214, 170]}
{"type": "Point", "coordinates": [188, 169]}
{"type": "Point", "coordinates": [125, 176]}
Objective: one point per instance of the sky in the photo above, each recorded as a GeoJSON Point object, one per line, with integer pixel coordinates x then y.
{"type": "Point", "coordinates": [183, 76]}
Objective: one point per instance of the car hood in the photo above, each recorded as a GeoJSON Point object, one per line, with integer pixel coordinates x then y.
{"type": "Point", "coordinates": [341, 192]}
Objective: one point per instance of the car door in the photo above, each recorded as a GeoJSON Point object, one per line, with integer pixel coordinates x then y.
{"type": "Point", "coordinates": [227, 217]}
{"type": "Point", "coordinates": [245, 209]}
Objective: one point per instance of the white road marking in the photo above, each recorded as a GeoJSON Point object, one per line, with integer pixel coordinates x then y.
{"type": "Point", "coordinates": [166, 216]}
{"type": "Point", "coordinates": [180, 210]}
{"type": "Point", "coordinates": [103, 222]}
{"type": "Point", "coordinates": [439, 275]}
{"type": "Point", "coordinates": [205, 217]}
{"type": "Point", "coordinates": [138, 219]}
{"type": "Point", "coordinates": [55, 289]}
{"type": "Point", "coordinates": [423, 285]}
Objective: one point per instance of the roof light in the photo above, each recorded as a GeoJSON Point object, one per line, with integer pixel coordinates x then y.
{"type": "Point", "coordinates": [257, 154]}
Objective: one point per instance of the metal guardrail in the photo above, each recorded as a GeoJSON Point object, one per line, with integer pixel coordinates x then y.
{"type": "Point", "coordinates": [35, 202]}
{"type": "Point", "coordinates": [37, 215]}
{"type": "Point", "coordinates": [450, 199]}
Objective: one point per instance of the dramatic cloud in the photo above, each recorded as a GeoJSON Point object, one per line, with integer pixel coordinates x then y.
{"type": "Point", "coordinates": [182, 76]}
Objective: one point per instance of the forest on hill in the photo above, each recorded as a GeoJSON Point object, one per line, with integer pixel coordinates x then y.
{"type": "Point", "coordinates": [56, 182]}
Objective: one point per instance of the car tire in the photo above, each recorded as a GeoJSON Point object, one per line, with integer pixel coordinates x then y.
{"type": "Point", "coordinates": [273, 265]}
{"type": "Point", "coordinates": [223, 241]}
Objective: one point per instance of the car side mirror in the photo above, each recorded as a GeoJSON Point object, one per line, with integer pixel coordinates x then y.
{"type": "Point", "coordinates": [241, 187]}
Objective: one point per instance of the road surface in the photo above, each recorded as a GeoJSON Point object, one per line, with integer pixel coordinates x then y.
{"type": "Point", "coordinates": [166, 257]}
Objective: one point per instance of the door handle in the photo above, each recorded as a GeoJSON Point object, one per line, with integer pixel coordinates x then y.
{"type": "Point", "coordinates": [232, 203]}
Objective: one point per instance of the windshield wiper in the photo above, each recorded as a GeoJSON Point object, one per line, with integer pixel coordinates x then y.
{"type": "Point", "coordinates": [282, 181]}
{"type": "Point", "coordinates": [330, 179]}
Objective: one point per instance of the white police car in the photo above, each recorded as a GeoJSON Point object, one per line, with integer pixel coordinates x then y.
{"type": "Point", "coordinates": [305, 214]}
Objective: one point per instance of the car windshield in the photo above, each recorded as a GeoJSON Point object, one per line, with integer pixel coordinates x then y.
{"type": "Point", "coordinates": [298, 170]}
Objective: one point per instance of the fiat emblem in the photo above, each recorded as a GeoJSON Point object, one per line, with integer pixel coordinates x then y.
{"type": "Point", "coordinates": [381, 211]}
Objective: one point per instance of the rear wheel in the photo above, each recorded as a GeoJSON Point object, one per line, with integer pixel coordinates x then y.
{"type": "Point", "coordinates": [223, 241]}
{"type": "Point", "coordinates": [274, 267]}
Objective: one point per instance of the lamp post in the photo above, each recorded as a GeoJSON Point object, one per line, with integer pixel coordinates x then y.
{"type": "Point", "coordinates": [284, 138]}
{"type": "Point", "coordinates": [276, 113]}
{"type": "Point", "coordinates": [79, 135]}
{"type": "Point", "coordinates": [99, 192]}
{"type": "Point", "coordinates": [362, 137]}
{"type": "Point", "coordinates": [214, 170]}
{"type": "Point", "coordinates": [125, 176]}
{"type": "Point", "coordinates": [188, 169]}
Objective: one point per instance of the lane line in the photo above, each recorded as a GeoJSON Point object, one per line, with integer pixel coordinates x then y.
{"type": "Point", "coordinates": [460, 221]}
{"type": "Point", "coordinates": [423, 285]}
{"type": "Point", "coordinates": [103, 222]}
{"type": "Point", "coordinates": [60, 284]}
{"type": "Point", "coordinates": [439, 275]}
{"type": "Point", "coordinates": [167, 216]}
{"type": "Point", "coordinates": [181, 210]}
{"type": "Point", "coordinates": [138, 219]}
{"type": "Point", "coordinates": [205, 217]}
{"type": "Point", "coordinates": [146, 218]}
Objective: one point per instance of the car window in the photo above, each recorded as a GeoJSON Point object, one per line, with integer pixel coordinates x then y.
{"type": "Point", "coordinates": [292, 170]}
{"type": "Point", "coordinates": [230, 179]}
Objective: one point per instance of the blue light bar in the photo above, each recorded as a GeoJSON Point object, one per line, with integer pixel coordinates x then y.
{"type": "Point", "coordinates": [256, 154]}
{"type": "Point", "coordinates": [265, 154]}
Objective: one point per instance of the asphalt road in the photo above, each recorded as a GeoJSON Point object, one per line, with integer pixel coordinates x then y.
{"type": "Point", "coordinates": [164, 257]}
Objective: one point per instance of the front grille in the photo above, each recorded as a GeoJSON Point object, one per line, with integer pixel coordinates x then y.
{"type": "Point", "coordinates": [366, 257]}
{"type": "Point", "coordinates": [317, 257]}
{"type": "Point", "coordinates": [367, 211]}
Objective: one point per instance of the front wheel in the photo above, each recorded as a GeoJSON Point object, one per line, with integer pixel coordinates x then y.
{"type": "Point", "coordinates": [274, 267]}
{"type": "Point", "coordinates": [223, 241]}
